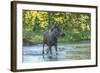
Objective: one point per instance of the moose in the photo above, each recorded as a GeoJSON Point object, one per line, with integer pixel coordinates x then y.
{"type": "Point", "coordinates": [50, 37]}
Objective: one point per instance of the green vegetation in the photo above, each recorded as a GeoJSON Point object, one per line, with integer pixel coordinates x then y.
{"type": "Point", "coordinates": [76, 26]}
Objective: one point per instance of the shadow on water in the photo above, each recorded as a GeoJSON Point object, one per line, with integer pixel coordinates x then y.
{"type": "Point", "coordinates": [74, 51]}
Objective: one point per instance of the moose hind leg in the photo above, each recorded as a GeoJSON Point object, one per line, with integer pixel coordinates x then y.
{"type": "Point", "coordinates": [43, 49]}
{"type": "Point", "coordinates": [56, 49]}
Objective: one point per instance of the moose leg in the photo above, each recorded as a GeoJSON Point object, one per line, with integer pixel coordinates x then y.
{"type": "Point", "coordinates": [47, 50]}
{"type": "Point", "coordinates": [50, 49]}
{"type": "Point", "coordinates": [56, 49]}
{"type": "Point", "coordinates": [43, 49]}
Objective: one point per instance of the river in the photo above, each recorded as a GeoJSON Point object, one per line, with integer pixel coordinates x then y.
{"type": "Point", "coordinates": [68, 51]}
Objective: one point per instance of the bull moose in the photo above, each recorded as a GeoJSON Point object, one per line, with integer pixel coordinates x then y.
{"type": "Point", "coordinates": [50, 37]}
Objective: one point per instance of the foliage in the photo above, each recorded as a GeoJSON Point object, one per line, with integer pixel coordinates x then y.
{"type": "Point", "coordinates": [76, 26]}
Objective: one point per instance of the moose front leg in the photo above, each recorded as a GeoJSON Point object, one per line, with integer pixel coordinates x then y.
{"type": "Point", "coordinates": [50, 49]}
{"type": "Point", "coordinates": [47, 51]}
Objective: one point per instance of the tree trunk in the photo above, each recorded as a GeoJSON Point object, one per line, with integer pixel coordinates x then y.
{"type": "Point", "coordinates": [49, 19]}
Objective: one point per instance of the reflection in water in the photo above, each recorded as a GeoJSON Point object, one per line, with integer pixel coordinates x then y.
{"type": "Point", "coordinates": [75, 51]}
{"type": "Point", "coordinates": [50, 58]}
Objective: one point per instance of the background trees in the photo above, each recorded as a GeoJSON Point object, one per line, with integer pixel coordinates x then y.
{"type": "Point", "coordinates": [76, 26]}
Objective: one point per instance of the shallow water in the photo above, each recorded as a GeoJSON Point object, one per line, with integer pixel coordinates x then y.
{"type": "Point", "coordinates": [68, 51]}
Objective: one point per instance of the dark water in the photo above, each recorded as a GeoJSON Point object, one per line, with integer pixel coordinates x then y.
{"type": "Point", "coordinates": [68, 51]}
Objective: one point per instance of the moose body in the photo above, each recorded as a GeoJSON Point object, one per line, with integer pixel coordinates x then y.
{"type": "Point", "coordinates": [50, 37]}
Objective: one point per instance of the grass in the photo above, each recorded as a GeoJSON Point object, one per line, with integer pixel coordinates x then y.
{"type": "Point", "coordinates": [37, 38]}
{"type": "Point", "coordinates": [32, 38]}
